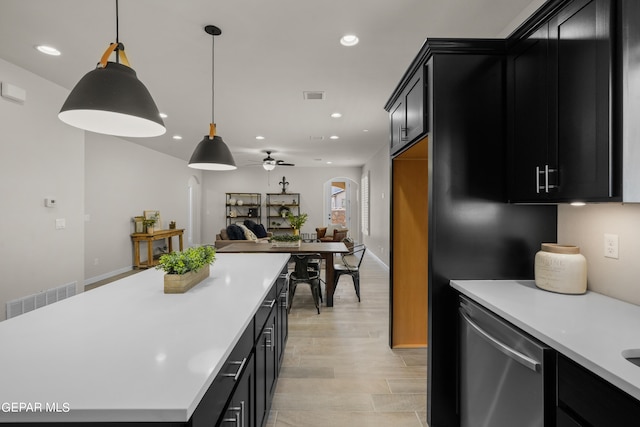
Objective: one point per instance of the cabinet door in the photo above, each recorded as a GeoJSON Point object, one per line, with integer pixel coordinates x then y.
{"type": "Point", "coordinates": [414, 107]}
{"type": "Point", "coordinates": [580, 56]}
{"type": "Point", "coordinates": [529, 147]}
{"type": "Point", "coordinates": [240, 410]}
{"type": "Point", "coordinates": [266, 370]}
{"type": "Point", "coordinates": [283, 317]}
{"type": "Point", "coordinates": [397, 120]}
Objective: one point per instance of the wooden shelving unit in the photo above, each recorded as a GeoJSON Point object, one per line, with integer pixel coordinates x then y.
{"type": "Point", "coordinates": [242, 206]}
{"type": "Point", "coordinates": [277, 205]}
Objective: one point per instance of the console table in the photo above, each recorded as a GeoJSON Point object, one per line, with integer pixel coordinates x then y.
{"type": "Point", "coordinates": [149, 238]}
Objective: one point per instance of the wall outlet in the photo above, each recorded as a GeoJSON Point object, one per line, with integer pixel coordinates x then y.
{"type": "Point", "coordinates": [611, 246]}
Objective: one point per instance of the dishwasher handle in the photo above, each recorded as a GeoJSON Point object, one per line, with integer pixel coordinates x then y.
{"type": "Point", "coordinates": [508, 351]}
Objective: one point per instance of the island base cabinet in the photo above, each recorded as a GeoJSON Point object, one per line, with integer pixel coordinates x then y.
{"type": "Point", "coordinates": [587, 400]}
{"type": "Point", "coordinates": [266, 368]}
{"type": "Point", "coordinates": [240, 410]}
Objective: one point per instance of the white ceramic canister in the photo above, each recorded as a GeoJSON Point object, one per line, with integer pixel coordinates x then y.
{"type": "Point", "coordinates": [561, 268]}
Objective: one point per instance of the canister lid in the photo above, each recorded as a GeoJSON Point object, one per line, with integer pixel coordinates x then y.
{"type": "Point", "coordinates": [560, 249]}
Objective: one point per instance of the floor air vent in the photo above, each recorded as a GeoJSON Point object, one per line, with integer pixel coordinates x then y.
{"type": "Point", "coordinates": [31, 302]}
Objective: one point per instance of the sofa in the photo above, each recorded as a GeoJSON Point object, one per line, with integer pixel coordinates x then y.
{"type": "Point", "coordinates": [231, 235]}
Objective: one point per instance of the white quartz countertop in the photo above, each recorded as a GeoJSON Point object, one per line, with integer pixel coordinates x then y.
{"type": "Point", "coordinates": [126, 351]}
{"type": "Point", "coordinates": [591, 329]}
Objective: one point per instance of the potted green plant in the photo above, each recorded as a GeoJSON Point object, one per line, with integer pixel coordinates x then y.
{"type": "Point", "coordinates": [150, 222]}
{"type": "Point", "coordinates": [297, 221]}
{"type": "Point", "coordinates": [285, 240]}
{"type": "Point", "coordinates": [183, 270]}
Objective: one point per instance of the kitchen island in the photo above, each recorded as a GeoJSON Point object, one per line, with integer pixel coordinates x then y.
{"type": "Point", "coordinates": [126, 352]}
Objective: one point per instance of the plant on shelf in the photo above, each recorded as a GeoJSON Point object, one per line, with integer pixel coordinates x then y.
{"type": "Point", "coordinates": [150, 222]}
{"type": "Point", "coordinates": [191, 259]}
{"type": "Point", "coordinates": [297, 221]}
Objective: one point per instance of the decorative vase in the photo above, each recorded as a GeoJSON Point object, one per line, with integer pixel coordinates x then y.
{"type": "Point", "coordinates": [181, 283]}
{"type": "Point", "coordinates": [296, 232]}
{"type": "Point", "coordinates": [150, 229]}
{"type": "Point", "coordinates": [232, 202]}
{"type": "Point", "coordinates": [561, 269]}
{"type": "Point", "coordinates": [240, 202]}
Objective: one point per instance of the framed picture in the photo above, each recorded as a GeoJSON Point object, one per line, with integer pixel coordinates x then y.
{"type": "Point", "coordinates": [139, 226]}
{"type": "Point", "coordinates": [151, 214]}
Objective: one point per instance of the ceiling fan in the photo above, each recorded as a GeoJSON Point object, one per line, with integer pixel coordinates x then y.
{"type": "Point", "coordinates": [269, 163]}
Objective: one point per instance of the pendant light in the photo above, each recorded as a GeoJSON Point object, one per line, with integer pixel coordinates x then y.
{"type": "Point", "coordinates": [111, 100]}
{"type": "Point", "coordinates": [212, 153]}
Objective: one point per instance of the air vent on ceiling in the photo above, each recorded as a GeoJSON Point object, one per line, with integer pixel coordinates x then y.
{"type": "Point", "coordinates": [313, 95]}
{"type": "Point", "coordinates": [316, 138]}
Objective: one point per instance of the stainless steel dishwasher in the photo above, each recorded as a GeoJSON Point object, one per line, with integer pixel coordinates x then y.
{"type": "Point", "coordinates": [506, 376]}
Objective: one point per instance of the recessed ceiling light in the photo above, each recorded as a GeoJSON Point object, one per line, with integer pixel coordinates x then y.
{"type": "Point", "coordinates": [163, 115]}
{"type": "Point", "coordinates": [259, 137]}
{"type": "Point", "coordinates": [336, 115]}
{"type": "Point", "coordinates": [577, 203]}
{"type": "Point", "coordinates": [329, 163]}
{"type": "Point", "coordinates": [334, 137]}
{"type": "Point", "coordinates": [49, 50]}
{"type": "Point", "coordinates": [176, 137]}
{"type": "Point", "coordinates": [365, 130]}
{"type": "Point", "coordinates": [349, 40]}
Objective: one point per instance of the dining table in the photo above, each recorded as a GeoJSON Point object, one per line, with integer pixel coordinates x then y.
{"type": "Point", "coordinates": [327, 250]}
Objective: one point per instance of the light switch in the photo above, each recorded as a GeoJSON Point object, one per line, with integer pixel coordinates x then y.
{"type": "Point", "coordinates": [61, 223]}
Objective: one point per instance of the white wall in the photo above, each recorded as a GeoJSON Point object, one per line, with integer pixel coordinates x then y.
{"type": "Point", "coordinates": [585, 227]}
{"type": "Point", "coordinates": [306, 181]}
{"type": "Point", "coordinates": [40, 157]}
{"type": "Point", "coordinates": [122, 180]}
{"type": "Point", "coordinates": [379, 168]}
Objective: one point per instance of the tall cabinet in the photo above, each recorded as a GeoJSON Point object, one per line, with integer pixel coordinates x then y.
{"type": "Point", "coordinates": [472, 232]}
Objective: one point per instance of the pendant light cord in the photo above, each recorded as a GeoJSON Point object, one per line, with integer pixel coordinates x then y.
{"type": "Point", "coordinates": [213, 50]}
{"type": "Point", "coordinates": [117, 34]}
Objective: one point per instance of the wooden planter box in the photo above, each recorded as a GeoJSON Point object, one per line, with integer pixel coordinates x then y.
{"type": "Point", "coordinates": [295, 244]}
{"type": "Point", "coordinates": [181, 283]}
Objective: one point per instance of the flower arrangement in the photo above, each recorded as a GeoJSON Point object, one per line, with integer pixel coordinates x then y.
{"type": "Point", "coordinates": [297, 221]}
{"type": "Point", "coordinates": [191, 259]}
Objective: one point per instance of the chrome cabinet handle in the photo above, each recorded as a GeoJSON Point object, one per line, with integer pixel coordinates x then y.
{"type": "Point", "coordinates": [235, 419]}
{"type": "Point", "coordinates": [269, 304]}
{"type": "Point", "coordinates": [239, 371]}
{"type": "Point", "coordinates": [504, 349]}
{"type": "Point", "coordinates": [404, 131]}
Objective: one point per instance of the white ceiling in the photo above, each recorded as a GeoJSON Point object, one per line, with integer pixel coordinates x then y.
{"type": "Point", "coordinates": [270, 51]}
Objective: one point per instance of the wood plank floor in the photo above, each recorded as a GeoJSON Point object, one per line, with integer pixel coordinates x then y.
{"type": "Point", "coordinates": [338, 369]}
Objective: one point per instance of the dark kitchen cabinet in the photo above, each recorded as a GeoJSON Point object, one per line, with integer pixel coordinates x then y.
{"type": "Point", "coordinates": [587, 400]}
{"type": "Point", "coordinates": [407, 116]}
{"type": "Point", "coordinates": [283, 316]}
{"type": "Point", "coordinates": [266, 367]}
{"type": "Point", "coordinates": [560, 103]}
{"type": "Point", "coordinates": [240, 410]}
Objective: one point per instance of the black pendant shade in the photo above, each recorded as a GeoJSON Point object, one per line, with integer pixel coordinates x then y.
{"type": "Point", "coordinates": [212, 154]}
{"type": "Point", "coordinates": [111, 100]}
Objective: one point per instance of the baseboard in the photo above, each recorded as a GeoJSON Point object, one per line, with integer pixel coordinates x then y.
{"type": "Point", "coordinates": [95, 279]}
{"type": "Point", "coordinates": [385, 266]}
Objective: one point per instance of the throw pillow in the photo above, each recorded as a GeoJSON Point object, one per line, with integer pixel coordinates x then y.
{"type": "Point", "coordinates": [223, 234]}
{"type": "Point", "coordinates": [235, 232]}
{"type": "Point", "coordinates": [258, 229]}
{"type": "Point", "coordinates": [248, 234]}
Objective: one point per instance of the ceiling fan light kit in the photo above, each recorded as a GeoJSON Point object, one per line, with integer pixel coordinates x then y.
{"type": "Point", "coordinates": [111, 100]}
{"type": "Point", "coordinates": [212, 153]}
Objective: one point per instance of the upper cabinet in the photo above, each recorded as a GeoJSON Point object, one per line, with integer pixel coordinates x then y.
{"type": "Point", "coordinates": [408, 114]}
{"type": "Point", "coordinates": [560, 91]}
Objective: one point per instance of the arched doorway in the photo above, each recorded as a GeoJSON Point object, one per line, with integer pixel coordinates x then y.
{"type": "Point", "coordinates": [341, 204]}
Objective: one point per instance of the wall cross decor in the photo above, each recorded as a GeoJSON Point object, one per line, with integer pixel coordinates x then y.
{"type": "Point", "coordinates": [284, 184]}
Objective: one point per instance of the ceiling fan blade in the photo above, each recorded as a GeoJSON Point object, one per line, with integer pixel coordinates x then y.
{"type": "Point", "coordinates": [283, 163]}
